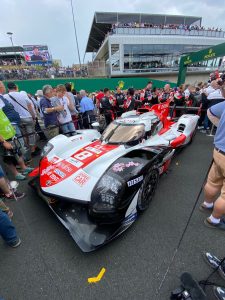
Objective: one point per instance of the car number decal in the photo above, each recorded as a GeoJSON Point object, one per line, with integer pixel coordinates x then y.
{"type": "Point", "coordinates": [53, 172]}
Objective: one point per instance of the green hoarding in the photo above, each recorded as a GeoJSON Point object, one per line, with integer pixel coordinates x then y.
{"type": "Point", "coordinates": [89, 84]}
{"type": "Point", "coordinates": [202, 55]}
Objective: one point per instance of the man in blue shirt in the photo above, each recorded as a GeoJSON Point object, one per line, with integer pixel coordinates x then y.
{"type": "Point", "coordinates": [87, 109]}
{"type": "Point", "coordinates": [216, 178]}
{"type": "Point", "coordinates": [50, 112]}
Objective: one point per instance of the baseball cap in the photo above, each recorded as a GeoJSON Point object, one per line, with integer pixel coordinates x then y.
{"type": "Point", "coordinates": [39, 93]}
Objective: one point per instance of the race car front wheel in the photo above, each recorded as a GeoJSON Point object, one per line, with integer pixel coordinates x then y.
{"type": "Point", "coordinates": [147, 190]}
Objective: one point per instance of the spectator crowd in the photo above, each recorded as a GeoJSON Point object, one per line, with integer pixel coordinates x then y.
{"type": "Point", "coordinates": [34, 72]}
{"type": "Point", "coordinates": [164, 26]}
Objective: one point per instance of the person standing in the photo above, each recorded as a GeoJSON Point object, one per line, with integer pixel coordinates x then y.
{"type": "Point", "coordinates": [216, 178]}
{"type": "Point", "coordinates": [64, 116]}
{"type": "Point", "coordinates": [8, 231]}
{"type": "Point", "coordinates": [148, 93]}
{"type": "Point", "coordinates": [87, 109]}
{"type": "Point", "coordinates": [120, 99]}
{"type": "Point", "coordinates": [72, 102]}
{"type": "Point", "coordinates": [106, 106]}
{"type": "Point", "coordinates": [27, 115]}
{"type": "Point", "coordinates": [50, 112]}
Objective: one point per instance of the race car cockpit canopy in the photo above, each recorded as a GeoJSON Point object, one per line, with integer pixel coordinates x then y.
{"type": "Point", "coordinates": [122, 133]}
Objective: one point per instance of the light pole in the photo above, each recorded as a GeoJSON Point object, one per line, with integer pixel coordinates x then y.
{"type": "Point", "coordinates": [75, 32]}
{"type": "Point", "coordinates": [10, 34]}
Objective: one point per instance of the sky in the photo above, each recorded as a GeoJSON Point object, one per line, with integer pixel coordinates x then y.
{"type": "Point", "coordinates": [50, 22]}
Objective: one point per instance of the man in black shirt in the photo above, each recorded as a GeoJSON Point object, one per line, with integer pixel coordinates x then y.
{"type": "Point", "coordinates": [148, 93]}
{"type": "Point", "coordinates": [36, 56]}
{"type": "Point", "coordinates": [120, 98]}
{"type": "Point", "coordinates": [106, 106]}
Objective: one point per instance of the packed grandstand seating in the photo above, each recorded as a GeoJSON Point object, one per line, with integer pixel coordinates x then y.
{"type": "Point", "coordinates": [164, 26]}
{"type": "Point", "coordinates": [37, 72]}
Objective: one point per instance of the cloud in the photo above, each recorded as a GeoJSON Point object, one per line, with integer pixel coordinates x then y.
{"type": "Point", "coordinates": [50, 21]}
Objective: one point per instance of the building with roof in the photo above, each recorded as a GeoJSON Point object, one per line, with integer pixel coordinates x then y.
{"type": "Point", "coordinates": [134, 43]}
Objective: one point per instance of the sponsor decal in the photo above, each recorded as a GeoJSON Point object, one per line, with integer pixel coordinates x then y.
{"type": "Point", "coordinates": [60, 173]}
{"type": "Point", "coordinates": [129, 219]}
{"type": "Point", "coordinates": [94, 150]}
{"type": "Point", "coordinates": [81, 179]}
{"type": "Point", "coordinates": [79, 138]}
{"type": "Point", "coordinates": [48, 182]}
{"type": "Point", "coordinates": [55, 159]}
{"type": "Point", "coordinates": [119, 167]}
{"type": "Point", "coordinates": [75, 162]}
{"type": "Point", "coordinates": [135, 181]}
{"type": "Point", "coordinates": [47, 170]}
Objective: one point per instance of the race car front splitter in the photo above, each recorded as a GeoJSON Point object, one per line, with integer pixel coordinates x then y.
{"type": "Point", "coordinates": [88, 235]}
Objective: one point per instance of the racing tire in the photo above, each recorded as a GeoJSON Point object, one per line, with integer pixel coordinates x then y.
{"type": "Point", "coordinates": [147, 189]}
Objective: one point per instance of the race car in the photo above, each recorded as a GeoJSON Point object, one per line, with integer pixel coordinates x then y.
{"type": "Point", "coordinates": [98, 184]}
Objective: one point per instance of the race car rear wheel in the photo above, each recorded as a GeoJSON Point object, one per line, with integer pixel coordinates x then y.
{"type": "Point", "coordinates": [147, 190]}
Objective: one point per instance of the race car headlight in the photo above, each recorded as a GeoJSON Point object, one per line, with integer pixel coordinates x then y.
{"type": "Point", "coordinates": [106, 194]}
{"type": "Point", "coordinates": [47, 148]}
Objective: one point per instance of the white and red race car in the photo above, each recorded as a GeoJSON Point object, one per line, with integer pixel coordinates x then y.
{"type": "Point", "coordinates": [96, 184]}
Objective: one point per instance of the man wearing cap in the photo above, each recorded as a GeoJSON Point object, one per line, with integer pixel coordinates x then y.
{"type": "Point", "coordinates": [216, 178]}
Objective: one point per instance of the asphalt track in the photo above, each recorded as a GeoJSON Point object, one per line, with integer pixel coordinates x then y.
{"type": "Point", "coordinates": [141, 264]}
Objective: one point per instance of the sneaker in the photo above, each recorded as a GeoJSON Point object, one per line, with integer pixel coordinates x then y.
{"type": "Point", "coordinates": [15, 244]}
{"type": "Point", "coordinates": [20, 176]}
{"type": "Point", "coordinates": [203, 208]}
{"type": "Point", "coordinates": [203, 131]}
{"type": "Point", "coordinates": [211, 260]}
{"type": "Point", "coordinates": [27, 171]}
{"type": "Point", "coordinates": [200, 127]}
{"type": "Point", "coordinates": [219, 292]}
{"type": "Point", "coordinates": [14, 195]}
{"type": "Point", "coordinates": [220, 225]}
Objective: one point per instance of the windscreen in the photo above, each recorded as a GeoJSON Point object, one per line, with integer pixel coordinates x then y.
{"type": "Point", "coordinates": [122, 133]}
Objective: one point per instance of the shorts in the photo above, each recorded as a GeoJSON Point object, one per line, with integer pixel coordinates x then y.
{"type": "Point", "coordinates": [216, 176]}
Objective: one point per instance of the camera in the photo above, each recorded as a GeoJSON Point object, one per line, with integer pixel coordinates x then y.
{"type": "Point", "coordinates": [180, 294]}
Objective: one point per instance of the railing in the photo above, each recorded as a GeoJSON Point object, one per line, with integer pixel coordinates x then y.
{"type": "Point", "coordinates": [170, 69]}
{"type": "Point", "coordinates": [167, 31]}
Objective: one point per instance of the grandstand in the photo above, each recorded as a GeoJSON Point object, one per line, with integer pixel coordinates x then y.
{"type": "Point", "coordinates": [143, 43]}
{"type": "Point", "coordinates": [11, 56]}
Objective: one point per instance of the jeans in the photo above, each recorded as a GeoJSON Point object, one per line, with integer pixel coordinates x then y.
{"type": "Point", "coordinates": [7, 230]}
{"type": "Point", "coordinates": [69, 127]}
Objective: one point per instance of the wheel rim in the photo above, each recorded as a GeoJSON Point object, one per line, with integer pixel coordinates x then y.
{"type": "Point", "coordinates": [148, 189]}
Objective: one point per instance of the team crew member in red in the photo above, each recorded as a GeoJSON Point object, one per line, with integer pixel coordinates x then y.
{"type": "Point", "coordinates": [106, 106]}
{"type": "Point", "coordinates": [148, 93]}
{"type": "Point", "coordinates": [130, 102]}
{"type": "Point", "coordinates": [167, 94]}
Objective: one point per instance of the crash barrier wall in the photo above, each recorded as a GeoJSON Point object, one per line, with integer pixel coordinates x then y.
{"type": "Point", "coordinates": [90, 84]}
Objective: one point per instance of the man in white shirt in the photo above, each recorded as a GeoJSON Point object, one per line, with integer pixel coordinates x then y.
{"type": "Point", "coordinates": [64, 116]}
{"type": "Point", "coordinates": [26, 112]}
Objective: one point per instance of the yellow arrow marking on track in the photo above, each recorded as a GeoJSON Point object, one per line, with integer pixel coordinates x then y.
{"type": "Point", "coordinates": [97, 278]}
